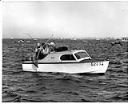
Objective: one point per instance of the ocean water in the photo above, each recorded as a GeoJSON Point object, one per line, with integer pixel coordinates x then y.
{"type": "Point", "coordinates": [20, 86]}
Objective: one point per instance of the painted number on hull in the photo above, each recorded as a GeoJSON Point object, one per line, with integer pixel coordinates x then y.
{"type": "Point", "coordinates": [97, 63]}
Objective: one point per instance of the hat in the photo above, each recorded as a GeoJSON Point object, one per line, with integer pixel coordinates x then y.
{"type": "Point", "coordinates": [52, 43]}
{"type": "Point", "coordinates": [38, 44]}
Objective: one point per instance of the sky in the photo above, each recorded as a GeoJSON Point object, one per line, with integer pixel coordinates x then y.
{"type": "Point", "coordinates": [64, 19]}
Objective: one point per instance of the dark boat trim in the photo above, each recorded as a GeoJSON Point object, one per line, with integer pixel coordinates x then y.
{"type": "Point", "coordinates": [83, 61]}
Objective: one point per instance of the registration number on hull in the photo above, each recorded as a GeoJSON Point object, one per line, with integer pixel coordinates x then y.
{"type": "Point", "coordinates": [97, 63]}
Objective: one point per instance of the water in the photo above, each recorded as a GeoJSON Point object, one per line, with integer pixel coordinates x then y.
{"type": "Point", "coordinates": [20, 86]}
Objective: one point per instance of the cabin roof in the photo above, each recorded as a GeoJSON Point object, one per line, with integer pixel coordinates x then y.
{"type": "Point", "coordinates": [67, 52]}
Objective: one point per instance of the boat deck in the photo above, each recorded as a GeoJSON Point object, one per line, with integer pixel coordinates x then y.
{"type": "Point", "coordinates": [65, 62]}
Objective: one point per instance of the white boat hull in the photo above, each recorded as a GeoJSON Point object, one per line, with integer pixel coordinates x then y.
{"type": "Point", "coordinates": [89, 67]}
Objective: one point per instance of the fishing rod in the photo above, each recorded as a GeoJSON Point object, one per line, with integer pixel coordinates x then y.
{"type": "Point", "coordinates": [26, 46]}
{"type": "Point", "coordinates": [48, 40]}
{"type": "Point", "coordinates": [29, 36]}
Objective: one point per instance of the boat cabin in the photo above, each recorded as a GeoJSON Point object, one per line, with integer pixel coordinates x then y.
{"type": "Point", "coordinates": [66, 56]}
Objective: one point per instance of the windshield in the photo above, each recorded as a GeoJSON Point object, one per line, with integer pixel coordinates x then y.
{"type": "Point", "coordinates": [67, 57]}
{"type": "Point", "coordinates": [80, 55]}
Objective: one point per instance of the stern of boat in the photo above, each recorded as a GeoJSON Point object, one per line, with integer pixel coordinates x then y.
{"type": "Point", "coordinates": [29, 67]}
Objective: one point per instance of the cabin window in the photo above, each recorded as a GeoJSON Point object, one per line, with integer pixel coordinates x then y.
{"type": "Point", "coordinates": [80, 55]}
{"type": "Point", "coordinates": [67, 57]}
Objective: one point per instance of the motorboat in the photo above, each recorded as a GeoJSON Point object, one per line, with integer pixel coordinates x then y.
{"type": "Point", "coordinates": [67, 61]}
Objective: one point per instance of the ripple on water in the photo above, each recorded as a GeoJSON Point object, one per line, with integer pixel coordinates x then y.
{"type": "Point", "coordinates": [20, 86]}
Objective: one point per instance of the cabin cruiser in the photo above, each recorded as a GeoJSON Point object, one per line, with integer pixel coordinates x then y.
{"type": "Point", "coordinates": [67, 61]}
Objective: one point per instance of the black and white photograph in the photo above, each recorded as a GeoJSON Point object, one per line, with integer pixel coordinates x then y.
{"type": "Point", "coordinates": [64, 51]}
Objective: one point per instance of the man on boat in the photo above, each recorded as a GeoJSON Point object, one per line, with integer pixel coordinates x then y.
{"type": "Point", "coordinates": [42, 50]}
{"type": "Point", "coordinates": [45, 48]}
{"type": "Point", "coordinates": [37, 50]}
{"type": "Point", "coordinates": [52, 47]}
